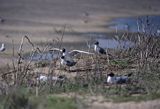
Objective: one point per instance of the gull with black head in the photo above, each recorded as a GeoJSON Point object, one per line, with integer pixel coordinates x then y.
{"type": "Point", "coordinates": [112, 79]}
{"type": "Point", "coordinates": [99, 49]}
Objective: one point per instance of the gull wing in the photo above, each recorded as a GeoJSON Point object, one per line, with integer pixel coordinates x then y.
{"type": "Point", "coordinates": [102, 51]}
{"type": "Point", "coordinates": [70, 63]}
{"type": "Point", "coordinates": [55, 50]}
{"type": "Point", "coordinates": [76, 52]}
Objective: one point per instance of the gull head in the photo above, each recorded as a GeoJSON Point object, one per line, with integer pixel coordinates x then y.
{"type": "Point", "coordinates": [63, 50]}
{"type": "Point", "coordinates": [111, 74]}
{"type": "Point", "coordinates": [96, 43]}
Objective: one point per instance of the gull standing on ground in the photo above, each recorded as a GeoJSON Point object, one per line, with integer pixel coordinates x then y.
{"type": "Point", "coordinates": [112, 79]}
{"type": "Point", "coordinates": [2, 47]}
{"type": "Point", "coordinates": [99, 49]}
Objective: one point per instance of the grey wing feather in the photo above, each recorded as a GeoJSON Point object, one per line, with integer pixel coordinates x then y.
{"type": "Point", "coordinates": [55, 50]}
{"type": "Point", "coordinates": [2, 49]}
{"type": "Point", "coordinates": [69, 63]}
{"type": "Point", "coordinates": [76, 52]}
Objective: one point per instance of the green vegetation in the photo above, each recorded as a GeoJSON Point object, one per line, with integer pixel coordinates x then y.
{"type": "Point", "coordinates": [120, 63]}
{"type": "Point", "coordinates": [23, 101]}
{"type": "Point", "coordinates": [53, 102]}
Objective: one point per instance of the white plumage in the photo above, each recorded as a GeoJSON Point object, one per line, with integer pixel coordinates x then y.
{"type": "Point", "coordinates": [44, 78]}
{"type": "Point", "coordinates": [2, 47]}
{"type": "Point", "coordinates": [112, 79]}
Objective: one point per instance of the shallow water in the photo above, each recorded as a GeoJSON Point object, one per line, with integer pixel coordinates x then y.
{"type": "Point", "coordinates": [143, 24]}
{"type": "Point", "coordinates": [112, 43]}
{"type": "Point", "coordinates": [41, 56]}
{"type": "Point", "coordinates": [104, 43]}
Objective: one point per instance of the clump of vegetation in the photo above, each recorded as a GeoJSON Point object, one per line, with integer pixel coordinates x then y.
{"type": "Point", "coordinates": [42, 64]}
{"type": "Point", "coordinates": [26, 101]}
{"type": "Point", "coordinates": [120, 63]}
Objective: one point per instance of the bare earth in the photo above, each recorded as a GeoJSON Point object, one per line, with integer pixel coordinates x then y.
{"type": "Point", "coordinates": [155, 104]}
{"type": "Point", "coordinates": [40, 19]}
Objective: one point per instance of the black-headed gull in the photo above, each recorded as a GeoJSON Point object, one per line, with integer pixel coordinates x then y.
{"type": "Point", "coordinates": [112, 79]}
{"type": "Point", "coordinates": [98, 49]}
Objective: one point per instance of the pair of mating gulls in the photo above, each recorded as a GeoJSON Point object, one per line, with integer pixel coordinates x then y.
{"type": "Point", "coordinates": [67, 57]}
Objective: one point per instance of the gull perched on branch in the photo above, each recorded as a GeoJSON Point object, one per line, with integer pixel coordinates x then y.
{"type": "Point", "coordinates": [2, 47]}
{"type": "Point", "coordinates": [99, 49]}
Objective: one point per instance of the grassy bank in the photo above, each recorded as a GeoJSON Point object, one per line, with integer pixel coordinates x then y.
{"type": "Point", "coordinates": [86, 78]}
